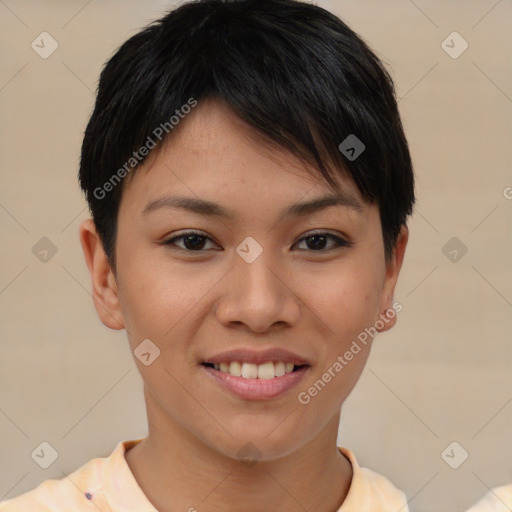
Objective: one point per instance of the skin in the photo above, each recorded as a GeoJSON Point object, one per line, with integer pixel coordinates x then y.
{"type": "Point", "coordinates": [195, 304]}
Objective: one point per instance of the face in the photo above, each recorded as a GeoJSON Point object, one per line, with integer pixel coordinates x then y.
{"type": "Point", "coordinates": [261, 284]}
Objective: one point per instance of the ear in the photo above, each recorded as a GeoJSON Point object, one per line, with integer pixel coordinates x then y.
{"type": "Point", "coordinates": [104, 286]}
{"type": "Point", "coordinates": [393, 266]}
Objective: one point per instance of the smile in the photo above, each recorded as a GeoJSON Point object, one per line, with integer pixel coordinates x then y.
{"type": "Point", "coordinates": [264, 371]}
{"type": "Point", "coordinates": [251, 381]}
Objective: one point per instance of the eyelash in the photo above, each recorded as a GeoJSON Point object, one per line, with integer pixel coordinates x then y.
{"type": "Point", "coordinates": [340, 242]}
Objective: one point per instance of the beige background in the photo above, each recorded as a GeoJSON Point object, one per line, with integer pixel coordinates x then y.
{"type": "Point", "coordinates": [442, 375]}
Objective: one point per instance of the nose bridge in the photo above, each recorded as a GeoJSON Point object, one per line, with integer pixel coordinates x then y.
{"type": "Point", "coordinates": [257, 267]}
{"type": "Point", "coordinates": [257, 295]}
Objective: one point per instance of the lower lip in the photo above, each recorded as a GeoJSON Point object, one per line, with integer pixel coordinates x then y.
{"type": "Point", "coordinates": [258, 389]}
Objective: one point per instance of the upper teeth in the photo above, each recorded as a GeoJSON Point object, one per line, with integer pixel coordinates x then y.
{"type": "Point", "coordinates": [255, 371]}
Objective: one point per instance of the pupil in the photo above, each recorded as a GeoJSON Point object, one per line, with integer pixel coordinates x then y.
{"type": "Point", "coordinates": [192, 246]}
{"type": "Point", "coordinates": [316, 245]}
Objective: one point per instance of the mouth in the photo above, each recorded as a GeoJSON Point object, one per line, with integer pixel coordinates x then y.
{"type": "Point", "coordinates": [265, 371]}
{"type": "Point", "coordinates": [250, 381]}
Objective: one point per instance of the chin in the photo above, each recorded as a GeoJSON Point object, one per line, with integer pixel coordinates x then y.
{"type": "Point", "coordinates": [257, 446]}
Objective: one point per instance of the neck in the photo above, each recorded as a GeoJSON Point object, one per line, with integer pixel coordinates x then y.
{"type": "Point", "coordinates": [177, 471]}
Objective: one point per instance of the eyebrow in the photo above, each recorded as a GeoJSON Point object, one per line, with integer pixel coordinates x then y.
{"type": "Point", "coordinates": [209, 208]}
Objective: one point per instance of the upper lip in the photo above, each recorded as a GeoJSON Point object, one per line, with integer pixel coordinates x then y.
{"type": "Point", "coordinates": [246, 355]}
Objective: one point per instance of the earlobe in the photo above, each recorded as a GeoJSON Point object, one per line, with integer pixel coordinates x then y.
{"type": "Point", "coordinates": [388, 311]}
{"type": "Point", "coordinates": [104, 286]}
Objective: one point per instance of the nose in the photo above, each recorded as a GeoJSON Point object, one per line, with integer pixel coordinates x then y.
{"type": "Point", "coordinates": [258, 296]}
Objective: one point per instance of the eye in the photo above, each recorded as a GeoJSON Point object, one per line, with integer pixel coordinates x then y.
{"type": "Point", "coordinates": [316, 241]}
{"type": "Point", "coordinates": [193, 241]}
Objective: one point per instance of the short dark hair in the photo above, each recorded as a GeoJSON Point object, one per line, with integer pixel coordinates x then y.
{"type": "Point", "coordinates": [293, 71]}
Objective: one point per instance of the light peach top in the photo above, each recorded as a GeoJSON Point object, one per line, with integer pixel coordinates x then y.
{"type": "Point", "coordinates": [107, 484]}
{"type": "Point", "coordinates": [498, 499]}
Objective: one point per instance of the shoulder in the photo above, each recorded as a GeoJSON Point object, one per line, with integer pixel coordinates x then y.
{"type": "Point", "coordinates": [498, 499]}
{"type": "Point", "coordinates": [50, 495]}
{"type": "Point", "coordinates": [370, 491]}
{"type": "Point", "coordinates": [381, 487]}
{"type": "Point", "coordinates": [43, 498]}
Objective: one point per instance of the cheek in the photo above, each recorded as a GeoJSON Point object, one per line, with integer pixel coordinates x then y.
{"type": "Point", "coordinates": [160, 297]}
{"type": "Point", "coordinates": [346, 299]}
{"type": "Point", "coordinates": [347, 304]}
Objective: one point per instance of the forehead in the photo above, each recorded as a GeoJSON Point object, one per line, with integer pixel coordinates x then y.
{"type": "Point", "coordinates": [212, 153]}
